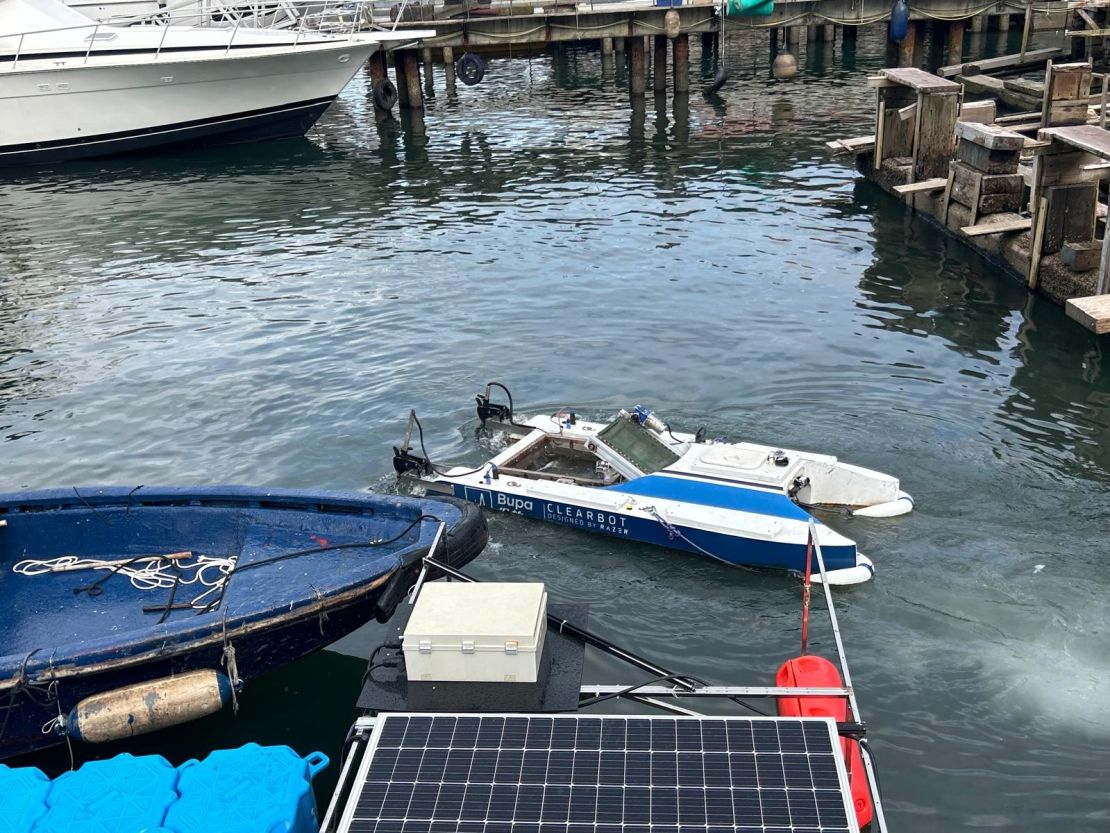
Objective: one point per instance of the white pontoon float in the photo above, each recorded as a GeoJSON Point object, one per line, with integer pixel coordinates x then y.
{"type": "Point", "coordinates": [634, 478]}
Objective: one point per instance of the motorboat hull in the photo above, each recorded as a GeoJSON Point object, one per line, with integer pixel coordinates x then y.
{"type": "Point", "coordinates": [95, 110]}
{"type": "Point", "coordinates": [59, 646]}
{"type": "Point", "coordinates": [645, 523]}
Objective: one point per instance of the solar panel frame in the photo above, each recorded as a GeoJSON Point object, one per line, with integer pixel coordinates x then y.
{"type": "Point", "coordinates": [536, 773]}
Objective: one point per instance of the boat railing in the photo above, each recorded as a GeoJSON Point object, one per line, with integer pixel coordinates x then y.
{"type": "Point", "coordinates": [330, 20]}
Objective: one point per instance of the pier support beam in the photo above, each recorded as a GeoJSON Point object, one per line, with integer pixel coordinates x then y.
{"type": "Point", "coordinates": [793, 37]}
{"type": "Point", "coordinates": [402, 81]}
{"type": "Point", "coordinates": [606, 47]}
{"type": "Point", "coordinates": [636, 78]}
{"type": "Point", "coordinates": [978, 23]}
{"type": "Point", "coordinates": [908, 47]}
{"type": "Point", "coordinates": [449, 69]}
{"type": "Point", "coordinates": [828, 35]}
{"type": "Point", "coordinates": [429, 76]}
{"type": "Point", "coordinates": [812, 33]}
{"type": "Point", "coordinates": [682, 64]}
{"type": "Point", "coordinates": [955, 51]}
{"type": "Point", "coordinates": [412, 78]}
{"type": "Point", "coordinates": [618, 46]}
{"type": "Point", "coordinates": [378, 71]}
{"type": "Point", "coordinates": [659, 64]}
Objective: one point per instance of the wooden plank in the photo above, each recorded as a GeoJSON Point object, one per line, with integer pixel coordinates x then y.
{"type": "Point", "coordinates": [934, 184]}
{"type": "Point", "coordinates": [907, 112]}
{"type": "Point", "coordinates": [936, 126]}
{"type": "Point", "coordinates": [989, 136]}
{"type": "Point", "coordinates": [919, 80]}
{"type": "Point", "coordinates": [980, 112]}
{"type": "Point", "coordinates": [989, 85]}
{"type": "Point", "coordinates": [1092, 311]}
{"type": "Point", "coordinates": [1068, 112]}
{"type": "Point", "coordinates": [1038, 241]}
{"type": "Point", "coordinates": [999, 224]}
{"type": "Point", "coordinates": [1033, 57]}
{"type": "Point", "coordinates": [988, 161]}
{"type": "Point", "coordinates": [1083, 136]}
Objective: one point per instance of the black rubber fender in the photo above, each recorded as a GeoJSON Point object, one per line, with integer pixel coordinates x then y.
{"type": "Point", "coordinates": [719, 80]}
{"type": "Point", "coordinates": [471, 69]}
{"type": "Point", "coordinates": [465, 540]}
{"type": "Point", "coordinates": [385, 94]}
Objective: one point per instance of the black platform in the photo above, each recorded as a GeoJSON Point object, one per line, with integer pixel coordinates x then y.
{"type": "Point", "coordinates": [387, 689]}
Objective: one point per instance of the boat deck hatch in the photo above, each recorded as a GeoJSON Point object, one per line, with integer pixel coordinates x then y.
{"type": "Point", "coordinates": [457, 773]}
{"type": "Point", "coordinates": [553, 458]}
{"type": "Point", "coordinates": [637, 446]}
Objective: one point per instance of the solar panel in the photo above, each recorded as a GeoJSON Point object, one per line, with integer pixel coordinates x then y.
{"type": "Point", "coordinates": [605, 774]}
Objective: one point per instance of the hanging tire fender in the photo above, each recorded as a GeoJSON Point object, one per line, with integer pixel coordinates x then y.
{"type": "Point", "coordinates": [385, 94]}
{"type": "Point", "coordinates": [471, 69]}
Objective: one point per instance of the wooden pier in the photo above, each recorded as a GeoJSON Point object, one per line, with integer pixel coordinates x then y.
{"type": "Point", "coordinates": [1024, 190]}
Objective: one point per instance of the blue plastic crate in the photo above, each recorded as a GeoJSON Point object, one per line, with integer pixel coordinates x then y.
{"type": "Point", "coordinates": [124, 794]}
{"type": "Point", "coordinates": [253, 789]}
{"type": "Point", "coordinates": [668, 3]}
{"type": "Point", "coordinates": [22, 797]}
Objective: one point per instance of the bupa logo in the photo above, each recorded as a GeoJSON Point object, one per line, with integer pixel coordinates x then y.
{"type": "Point", "coordinates": [511, 503]}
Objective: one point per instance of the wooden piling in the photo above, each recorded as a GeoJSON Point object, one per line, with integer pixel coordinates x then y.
{"type": "Point", "coordinates": [828, 35]}
{"type": "Point", "coordinates": [636, 78]}
{"type": "Point", "coordinates": [618, 45]}
{"type": "Point", "coordinates": [378, 72]}
{"type": "Point", "coordinates": [449, 69]}
{"type": "Point", "coordinates": [402, 82]}
{"type": "Point", "coordinates": [978, 23]}
{"type": "Point", "coordinates": [955, 51]}
{"type": "Point", "coordinates": [681, 60]}
{"type": "Point", "coordinates": [812, 33]}
{"type": "Point", "coordinates": [659, 64]}
{"type": "Point", "coordinates": [429, 76]}
{"type": "Point", "coordinates": [412, 78]}
{"type": "Point", "coordinates": [793, 37]}
{"type": "Point", "coordinates": [606, 47]}
{"type": "Point", "coordinates": [908, 47]}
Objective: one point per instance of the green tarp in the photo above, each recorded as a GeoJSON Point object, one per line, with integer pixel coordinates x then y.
{"type": "Point", "coordinates": [636, 445]}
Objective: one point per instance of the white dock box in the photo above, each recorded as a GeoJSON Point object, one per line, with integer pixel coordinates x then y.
{"type": "Point", "coordinates": [484, 632]}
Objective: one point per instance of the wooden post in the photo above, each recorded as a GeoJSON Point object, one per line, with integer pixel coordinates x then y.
{"type": "Point", "coordinates": [449, 68]}
{"type": "Point", "coordinates": [1102, 104]}
{"type": "Point", "coordinates": [1038, 241]}
{"type": "Point", "coordinates": [955, 52]}
{"type": "Point", "coordinates": [429, 76]}
{"type": "Point", "coordinates": [908, 47]}
{"type": "Point", "coordinates": [412, 77]}
{"type": "Point", "coordinates": [1104, 264]}
{"type": "Point", "coordinates": [793, 37]}
{"type": "Point", "coordinates": [618, 46]}
{"type": "Point", "coordinates": [812, 33]}
{"type": "Point", "coordinates": [829, 33]}
{"type": "Point", "coordinates": [402, 82]}
{"type": "Point", "coordinates": [606, 47]}
{"type": "Point", "coordinates": [377, 73]}
{"type": "Point", "coordinates": [977, 24]}
{"type": "Point", "coordinates": [659, 64]}
{"type": "Point", "coordinates": [636, 80]}
{"type": "Point", "coordinates": [681, 60]}
{"type": "Point", "coordinates": [1026, 28]}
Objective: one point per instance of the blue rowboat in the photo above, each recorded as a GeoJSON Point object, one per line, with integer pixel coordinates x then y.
{"type": "Point", "coordinates": [125, 610]}
{"type": "Point", "coordinates": [634, 478]}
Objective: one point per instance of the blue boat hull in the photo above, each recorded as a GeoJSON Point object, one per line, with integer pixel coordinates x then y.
{"type": "Point", "coordinates": [270, 616]}
{"type": "Point", "coordinates": [730, 549]}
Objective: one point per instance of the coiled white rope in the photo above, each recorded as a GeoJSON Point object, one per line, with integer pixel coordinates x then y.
{"type": "Point", "coordinates": [151, 572]}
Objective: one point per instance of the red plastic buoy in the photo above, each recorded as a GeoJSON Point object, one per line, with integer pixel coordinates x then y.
{"type": "Point", "coordinates": [818, 672]}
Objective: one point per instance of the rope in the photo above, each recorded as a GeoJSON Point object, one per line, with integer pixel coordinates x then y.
{"type": "Point", "coordinates": [145, 572]}
{"type": "Point", "coordinates": [674, 532]}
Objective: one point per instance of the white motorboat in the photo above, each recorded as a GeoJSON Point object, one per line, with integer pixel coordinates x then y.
{"type": "Point", "coordinates": [634, 478]}
{"type": "Point", "coordinates": [71, 88]}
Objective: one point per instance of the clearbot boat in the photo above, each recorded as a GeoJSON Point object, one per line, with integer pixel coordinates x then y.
{"type": "Point", "coordinates": [632, 477]}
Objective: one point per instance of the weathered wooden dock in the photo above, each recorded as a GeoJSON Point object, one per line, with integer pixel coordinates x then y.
{"type": "Point", "coordinates": [1024, 193]}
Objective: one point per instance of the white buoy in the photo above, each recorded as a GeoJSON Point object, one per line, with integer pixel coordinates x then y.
{"type": "Point", "coordinates": [146, 707]}
{"type": "Point", "coordinates": [672, 24]}
{"type": "Point", "coordinates": [785, 66]}
{"type": "Point", "coordinates": [901, 505]}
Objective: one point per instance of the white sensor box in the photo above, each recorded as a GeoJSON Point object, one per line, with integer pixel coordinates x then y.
{"type": "Point", "coordinates": [482, 633]}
